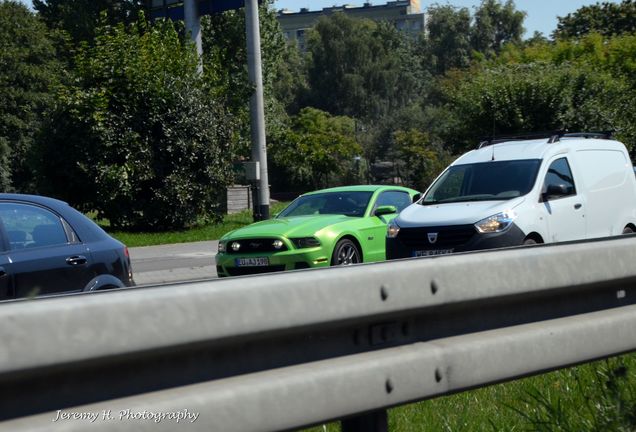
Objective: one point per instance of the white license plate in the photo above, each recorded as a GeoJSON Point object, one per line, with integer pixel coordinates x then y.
{"type": "Point", "coordinates": [251, 262]}
{"type": "Point", "coordinates": [435, 252]}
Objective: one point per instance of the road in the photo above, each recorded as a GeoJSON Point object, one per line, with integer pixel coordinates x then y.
{"type": "Point", "coordinates": [174, 262]}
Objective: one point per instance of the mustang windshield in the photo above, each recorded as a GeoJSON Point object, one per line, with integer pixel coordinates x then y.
{"type": "Point", "coordinates": [343, 203]}
{"type": "Point", "coordinates": [485, 181]}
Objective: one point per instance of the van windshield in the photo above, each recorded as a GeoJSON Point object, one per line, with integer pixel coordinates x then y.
{"type": "Point", "coordinates": [484, 181]}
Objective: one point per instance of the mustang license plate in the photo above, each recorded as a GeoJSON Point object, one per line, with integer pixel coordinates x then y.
{"type": "Point", "coordinates": [251, 262]}
{"type": "Point", "coordinates": [435, 252]}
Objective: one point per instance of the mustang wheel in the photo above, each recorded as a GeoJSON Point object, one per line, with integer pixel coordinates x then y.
{"type": "Point", "coordinates": [345, 253]}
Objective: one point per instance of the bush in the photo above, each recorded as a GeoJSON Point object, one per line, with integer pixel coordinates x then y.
{"type": "Point", "coordinates": [138, 137]}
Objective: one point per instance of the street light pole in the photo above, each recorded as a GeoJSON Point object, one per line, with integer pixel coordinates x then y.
{"type": "Point", "coordinates": [257, 110]}
{"type": "Point", "coordinates": [193, 27]}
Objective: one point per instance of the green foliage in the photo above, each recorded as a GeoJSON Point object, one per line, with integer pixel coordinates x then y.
{"type": "Point", "coordinates": [532, 97]}
{"type": "Point", "coordinates": [318, 148]}
{"type": "Point", "coordinates": [138, 137]}
{"type": "Point", "coordinates": [496, 24]}
{"type": "Point", "coordinates": [27, 70]}
{"type": "Point", "coordinates": [80, 18]}
{"type": "Point", "coordinates": [420, 162]}
{"type": "Point", "coordinates": [607, 18]}
{"type": "Point", "coordinates": [225, 68]}
{"type": "Point", "coordinates": [447, 45]}
{"type": "Point", "coordinates": [361, 68]}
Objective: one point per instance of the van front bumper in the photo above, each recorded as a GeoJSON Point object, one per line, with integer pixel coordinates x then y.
{"type": "Point", "coordinates": [413, 242]}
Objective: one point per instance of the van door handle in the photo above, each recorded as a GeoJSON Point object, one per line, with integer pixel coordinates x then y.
{"type": "Point", "coordinates": [3, 272]}
{"type": "Point", "coordinates": [76, 260]}
{"type": "Point", "coordinates": [578, 206]}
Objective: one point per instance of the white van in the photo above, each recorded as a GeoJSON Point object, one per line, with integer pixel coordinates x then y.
{"type": "Point", "coordinates": [513, 192]}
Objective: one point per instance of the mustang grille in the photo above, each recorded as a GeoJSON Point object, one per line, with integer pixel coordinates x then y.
{"type": "Point", "coordinates": [254, 246]}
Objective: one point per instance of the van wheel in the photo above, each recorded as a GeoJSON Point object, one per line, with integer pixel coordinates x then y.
{"type": "Point", "coordinates": [628, 230]}
{"type": "Point", "coordinates": [529, 241]}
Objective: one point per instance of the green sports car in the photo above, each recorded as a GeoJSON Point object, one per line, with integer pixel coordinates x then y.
{"type": "Point", "coordinates": [338, 226]}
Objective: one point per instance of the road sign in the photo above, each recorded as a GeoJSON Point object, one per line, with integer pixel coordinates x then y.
{"type": "Point", "coordinates": [173, 9]}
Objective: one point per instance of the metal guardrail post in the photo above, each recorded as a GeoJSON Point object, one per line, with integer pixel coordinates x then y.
{"type": "Point", "coordinates": [375, 421]}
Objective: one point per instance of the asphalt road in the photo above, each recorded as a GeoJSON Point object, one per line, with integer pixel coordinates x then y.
{"type": "Point", "coordinates": [174, 262]}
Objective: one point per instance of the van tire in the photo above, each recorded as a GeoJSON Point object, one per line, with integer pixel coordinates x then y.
{"type": "Point", "coordinates": [529, 241]}
{"type": "Point", "coordinates": [628, 230]}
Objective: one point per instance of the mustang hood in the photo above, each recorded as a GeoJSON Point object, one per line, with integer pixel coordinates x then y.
{"type": "Point", "coordinates": [297, 226]}
{"type": "Point", "coordinates": [461, 213]}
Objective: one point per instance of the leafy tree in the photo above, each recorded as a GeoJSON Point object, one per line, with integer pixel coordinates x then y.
{"type": "Point", "coordinates": [80, 18]}
{"type": "Point", "coordinates": [318, 148]}
{"type": "Point", "coordinates": [360, 68]}
{"type": "Point", "coordinates": [138, 137]}
{"type": "Point", "coordinates": [225, 67]}
{"type": "Point", "coordinates": [606, 18]}
{"type": "Point", "coordinates": [535, 97]}
{"type": "Point", "coordinates": [447, 44]}
{"type": "Point", "coordinates": [420, 161]}
{"type": "Point", "coordinates": [27, 70]}
{"type": "Point", "coordinates": [496, 24]}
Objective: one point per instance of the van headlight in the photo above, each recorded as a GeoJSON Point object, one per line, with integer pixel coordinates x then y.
{"type": "Point", "coordinates": [496, 223]}
{"type": "Point", "coordinates": [392, 229]}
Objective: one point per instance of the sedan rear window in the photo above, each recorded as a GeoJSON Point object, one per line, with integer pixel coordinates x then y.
{"type": "Point", "coordinates": [30, 226]}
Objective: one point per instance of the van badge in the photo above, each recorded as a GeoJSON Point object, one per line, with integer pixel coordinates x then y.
{"type": "Point", "coordinates": [432, 237]}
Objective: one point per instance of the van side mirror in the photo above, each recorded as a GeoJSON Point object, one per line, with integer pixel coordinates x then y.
{"type": "Point", "coordinates": [384, 210]}
{"type": "Point", "coordinates": [556, 191]}
{"type": "Point", "coordinates": [417, 197]}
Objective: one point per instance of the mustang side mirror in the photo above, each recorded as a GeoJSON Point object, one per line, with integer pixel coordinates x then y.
{"type": "Point", "coordinates": [383, 210]}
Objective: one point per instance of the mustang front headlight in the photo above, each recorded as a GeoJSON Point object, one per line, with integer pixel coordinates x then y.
{"type": "Point", "coordinates": [392, 229]}
{"type": "Point", "coordinates": [221, 247]}
{"type": "Point", "coordinates": [305, 242]}
{"type": "Point", "coordinates": [496, 223]}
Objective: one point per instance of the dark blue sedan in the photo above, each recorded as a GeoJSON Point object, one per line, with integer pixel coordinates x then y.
{"type": "Point", "coordinates": [47, 247]}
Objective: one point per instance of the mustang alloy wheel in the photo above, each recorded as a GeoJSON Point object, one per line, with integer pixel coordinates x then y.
{"type": "Point", "coordinates": [345, 253]}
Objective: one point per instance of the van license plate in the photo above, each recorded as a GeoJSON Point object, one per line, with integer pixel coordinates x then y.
{"type": "Point", "coordinates": [252, 262]}
{"type": "Point", "coordinates": [435, 252]}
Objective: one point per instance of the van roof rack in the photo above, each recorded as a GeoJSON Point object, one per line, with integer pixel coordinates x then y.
{"type": "Point", "coordinates": [520, 137]}
{"type": "Point", "coordinates": [553, 137]}
{"type": "Point", "coordinates": [598, 135]}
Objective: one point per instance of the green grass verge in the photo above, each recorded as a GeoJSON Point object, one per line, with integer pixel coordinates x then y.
{"type": "Point", "coordinates": [205, 232]}
{"type": "Point", "coordinates": [599, 397]}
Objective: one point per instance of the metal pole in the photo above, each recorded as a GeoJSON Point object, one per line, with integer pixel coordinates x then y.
{"type": "Point", "coordinates": [375, 421]}
{"type": "Point", "coordinates": [257, 110]}
{"type": "Point", "coordinates": [193, 26]}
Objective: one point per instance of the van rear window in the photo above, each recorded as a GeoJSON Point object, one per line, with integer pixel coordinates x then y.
{"type": "Point", "coordinates": [484, 181]}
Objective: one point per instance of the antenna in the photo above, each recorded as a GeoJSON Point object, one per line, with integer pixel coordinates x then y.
{"type": "Point", "coordinates": [493, 152]}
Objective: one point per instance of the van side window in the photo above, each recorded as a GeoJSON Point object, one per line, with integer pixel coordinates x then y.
{"type": "Point", "coordinates": [559, 182]}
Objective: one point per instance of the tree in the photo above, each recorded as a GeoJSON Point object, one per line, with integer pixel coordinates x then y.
{"type": "Point", "coordinates": [447, 44]}
{"type": "Point", "coordinates": [360, 68]}
{"type": "Point", "coordinates": [28, 69]}
{"type": "Point", "coordinates": [536, 97]}
{"type": "Point", "coordinates": [138, 136]}
{"type": "Point", "coordinates": [605, 18]}
{"type": "Point", "coordinates": [80, 18]}
{"type": "Point", "coordinates": [496, 24]}
{"type": "Point", "coordinates": [318, 148]}
{"type": "Point", "coordinates": [225, 67]}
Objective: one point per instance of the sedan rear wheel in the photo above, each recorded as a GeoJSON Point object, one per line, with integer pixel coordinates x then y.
{"type": "Point", "coordinates": [345, 253]}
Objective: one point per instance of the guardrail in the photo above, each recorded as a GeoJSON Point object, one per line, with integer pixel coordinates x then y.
{"type": "Point", "coordinates": [283, 351]}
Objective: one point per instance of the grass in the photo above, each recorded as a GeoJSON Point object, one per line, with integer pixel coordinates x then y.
{"type": "Point", "coordinates": [595, 397]}
{"type": "Point", "coordinates": [205, 232]}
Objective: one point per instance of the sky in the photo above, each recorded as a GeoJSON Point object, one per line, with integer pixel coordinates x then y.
{"type": "Point", "coordinates": [541, 14]}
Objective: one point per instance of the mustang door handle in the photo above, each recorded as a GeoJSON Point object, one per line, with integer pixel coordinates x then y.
{"type": "Point", "coordinates": [578, 206]}
{"type": "Point", "coordinates": [3, 272]}
{"type": "Point", "coordinates": [76, 260]}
